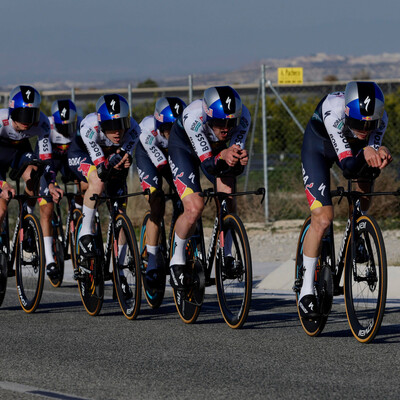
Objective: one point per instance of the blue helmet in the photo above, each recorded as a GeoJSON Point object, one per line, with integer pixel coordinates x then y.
{"type": "Point", "coordinates": [222, 106]}
{"type": "Point", "coordinates": [65, 117]}
{"type": "Point", "coordinates": [113, 113]}
{"type": "Point", "coordinates": [24, 105]}
{"type": "Point", "coordinates": [364, 105]}
{"type": "Point", "coordinates": [166, 111]}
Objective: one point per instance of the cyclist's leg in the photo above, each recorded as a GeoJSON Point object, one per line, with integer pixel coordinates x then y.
{"type": "Point", "coordinates": [316, 164]}
{"type": "Point", "coordinates": [185, 172]}
{"type": "Point", "coordinates": [82, 166]}
{"type": "Point", "coordinates": [150, 178]}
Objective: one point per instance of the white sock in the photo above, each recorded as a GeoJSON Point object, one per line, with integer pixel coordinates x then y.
{"type": "Point", "coordinates": [309, 265]}
{"type": "Point", "coordinates": [48, 249]}
{"type": "Point", "coordinates": [152, 250]}
{"type": "Point", "coordinates": [179, 256]}
{"type": "Point", "coordinates": [87, 221]}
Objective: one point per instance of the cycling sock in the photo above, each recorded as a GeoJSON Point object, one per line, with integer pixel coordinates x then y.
{"type": "Point", "coordinates": [309, 265]}
{"type": "Point", "coordinates": [152, 254]}
{"type": "Point", "coordinates": [48, 249]}
{"type": "Point", "coordinates": [179, 256]}
{"type": "Point", "coordinates": [87, 221]}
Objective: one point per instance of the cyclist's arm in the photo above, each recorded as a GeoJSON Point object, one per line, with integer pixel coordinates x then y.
{"type": "Point", "coordinates": [148, 139]}
{"type": "Point", "coordinates": [44, 143]}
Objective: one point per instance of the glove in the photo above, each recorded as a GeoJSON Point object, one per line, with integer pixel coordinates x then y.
{"type": "Point", "coordinates": [114, 159]}
{"type": "Point", "coordinates": [102, 172]}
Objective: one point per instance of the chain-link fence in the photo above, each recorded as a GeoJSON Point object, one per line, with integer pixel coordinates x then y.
{"type": "Point", "coordinates": [287, 111]}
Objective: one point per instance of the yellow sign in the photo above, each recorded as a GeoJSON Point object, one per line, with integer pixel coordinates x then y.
{"type": "Point", "coordinates": [292, 76]}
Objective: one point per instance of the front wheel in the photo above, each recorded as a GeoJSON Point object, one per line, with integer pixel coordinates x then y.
{"type": "Point", "coordinates": [365, 280]}
{"type": "Point", "coordinates": [126, 267]}
{"type": "Point", "coordinates": [234, 272]}
{"type": "Point", "coordinates": [91, 285]}
{"type": "Point", "coordinates": [30, 263]}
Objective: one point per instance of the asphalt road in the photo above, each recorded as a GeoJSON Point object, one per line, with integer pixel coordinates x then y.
{"type": "Point", "coordinates": [60, 352]}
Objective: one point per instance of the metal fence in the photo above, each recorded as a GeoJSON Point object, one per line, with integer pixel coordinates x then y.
{"type": "Point", "coordinates": [279, 115]}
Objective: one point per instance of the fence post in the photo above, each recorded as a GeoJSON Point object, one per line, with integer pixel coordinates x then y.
{"type": "Point", "coordinates": [190, 88]}
{"type": "Point", "coordinates": [73, 94]}
{"type": "Point", "coordinates": [265, 147]}
{"type": "Point", "coordinates": [130, 97]}
{"type": "Point", "coordinates": [254, 119]}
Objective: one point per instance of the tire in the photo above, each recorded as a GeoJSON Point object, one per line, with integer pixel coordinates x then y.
{"type": "Point", "coordinates": [30, 263]}
{"type": "Point", "coordinates": [188, 302]}
{"type": "Point", "coordinates": [129, 269]}
{"type": "Point", "coordinates": [153, 297]}
{"type": "Point", "coordinates": [58, 251]}
{"type": "Point", "coordinates": [316, 326]}
{"type": "Point", "coordinates": [365, 300]}
{"type": "Point", "coordinates": [76, 213]}
{"type": "Point", "coordinates": [91, 286]}
{"type": "Point", "coordinates": [4, 252]}
{"type": "Point", "coordinates": [234, 287]}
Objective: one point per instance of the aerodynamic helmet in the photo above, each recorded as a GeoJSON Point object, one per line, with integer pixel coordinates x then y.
{"type": "Point", "coordinates": [166, 111]}
{"type": "Point", "coordinates": [113, 113]}
{"type": "Point", "coordinates": [222, 106]}
{"type": "Point", "coordinates": [65, 117]}
{"type": "Point", "coordinates": [24, 105]}
{"type": "Point", "coordinates": [364, 105]}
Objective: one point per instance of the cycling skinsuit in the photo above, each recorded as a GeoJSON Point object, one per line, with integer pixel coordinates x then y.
{"type": "Point", "coordinates": [192, 143]}
{"type": "Point", "coordinates": [151, 156]}
{"type": "Point", "coordinates": [327, 140]}
{"type": "Point", "coordinates": [15, 147]}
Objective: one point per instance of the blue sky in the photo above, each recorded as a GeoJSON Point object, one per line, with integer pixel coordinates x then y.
{"type": "Point", "coordinates": [82, 40]}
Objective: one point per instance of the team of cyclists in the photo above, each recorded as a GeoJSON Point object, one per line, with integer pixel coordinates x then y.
{"type": "Point", "coordinates": [174, 144]}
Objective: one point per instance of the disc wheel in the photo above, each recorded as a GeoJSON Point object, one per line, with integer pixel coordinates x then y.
{"type": "Point", "coordinates": [365, 283]}
{"type": "Point", "coordinates": [58, 251]}
{"type": "Point", "coordinates": [315, 326]}
{"type": "Point", "coordinates": [126, 267]}
{"type": "Point", "coordinates": [234, 278]}
{"type": "Point", "coordinates": [154, 297]}
{"type": "Point", "coordinates": [30, 263]}
{"type": "Point", "coordinates": [91, 286]}
{"type": "Point", "coordinates": [188, 302]}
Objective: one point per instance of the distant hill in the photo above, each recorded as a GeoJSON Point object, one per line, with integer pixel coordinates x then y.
{"type": "Point", "coordinates": [317, 68]}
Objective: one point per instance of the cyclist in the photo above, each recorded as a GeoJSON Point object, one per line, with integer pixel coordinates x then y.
{"type": "Point", "coordinates": [210, 134]}
{"type": "Point", "coordinates": [346, 128]}
{"type": "Point", "coordinates": [152, 166]}
{"type": "Point", "coordinates": [64, 124]}
{"type": "Point", "coordinates": [105, 145]}
{"type": "Point", "coordinates": [20, 122]}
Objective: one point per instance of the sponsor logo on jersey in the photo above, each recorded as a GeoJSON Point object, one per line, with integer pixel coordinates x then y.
{"type": "Point", "coordinates": [6, 122]}
{"type": "Point", "coordinates": [312, 201]}
{"type": "Point", "coordinates": [181, 188]}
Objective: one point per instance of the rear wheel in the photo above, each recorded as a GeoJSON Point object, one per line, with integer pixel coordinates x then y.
{"type": "Point", "coordinates": [234, 273]}
{"type": "Point", "coordinates": [311, 327]}
{"type": "Point", "coordinates": [91, 285]}
{"type": "Point", "coordinates": [72, 236]}
{"type": "Point", "coordinates": [58, 251]}
{"type": "Point", "coordinates": [154, 297]}
{"type": "Point", "coordinates": [126, 267]}
{"type": "Point", "coordinates": [365, 282]}
{"type": "Point", "coordinates": [189, 301]}
{"type": "Point", "coordinates": [4, 251]}
{"type": "Point", "coordinates": [30, 263]}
